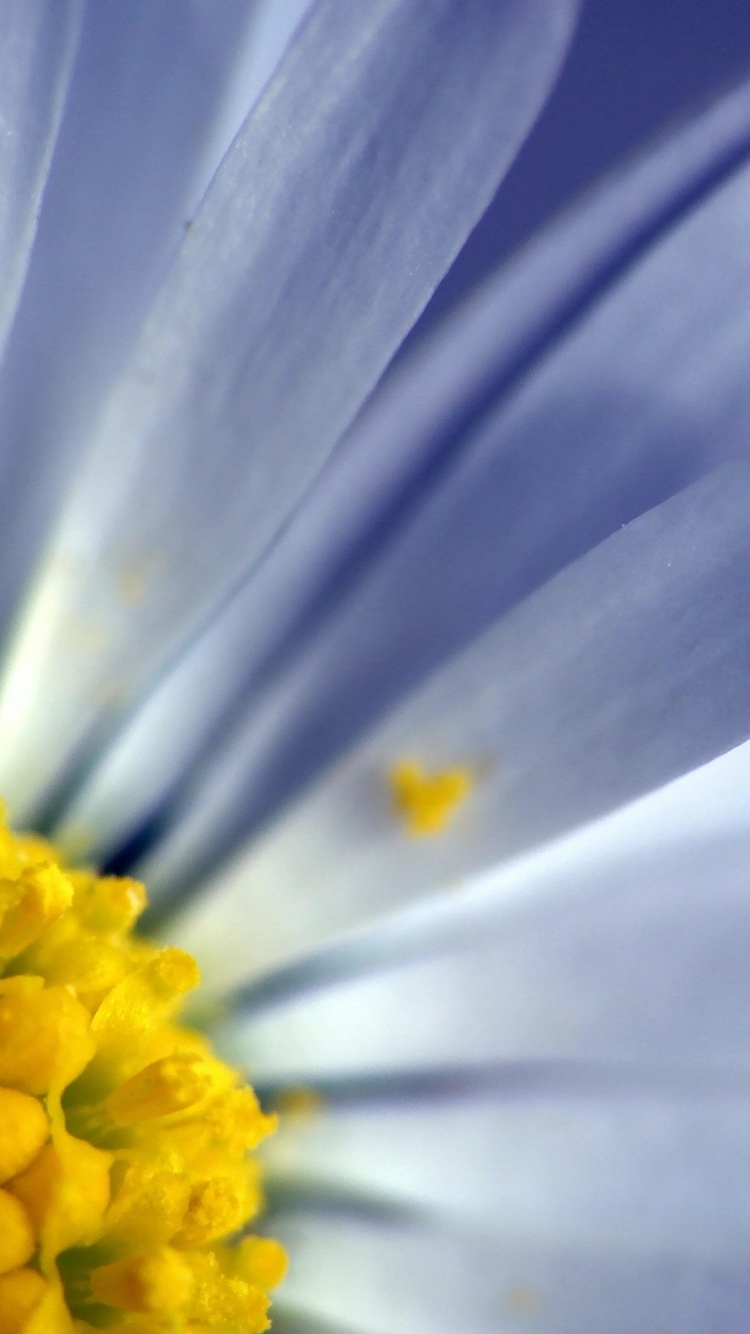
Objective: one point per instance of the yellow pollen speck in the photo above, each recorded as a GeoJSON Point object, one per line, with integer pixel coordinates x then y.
{"type": "Point", "coordinates": [136, 575]}
{"type": "Point", "coordinates": [299, 1104]}
{"type": "Point", "coordinates": [132, 586]}
{"type": "Point", "coordinates": [427, 801]}
{"type": "Point", "coordinates": [111, 693]}
{"type": "Point", "coordinates": [124, 1141]}
{"type": "Point", "coordinates": [523, 1301]}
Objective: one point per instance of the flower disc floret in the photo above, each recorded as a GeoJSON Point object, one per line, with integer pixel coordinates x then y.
{"type": "Point", "coordinates": [125, 1175]}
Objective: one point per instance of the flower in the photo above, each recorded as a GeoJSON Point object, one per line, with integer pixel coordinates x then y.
{"type": "Point", "coordinates": [511, 586]}
{"type": "Point", "coordinates": [125, 1152]}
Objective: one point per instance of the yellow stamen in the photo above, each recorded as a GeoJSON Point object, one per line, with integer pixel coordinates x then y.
{"type": "Point", "coordinates": [224, 1301]}
{"type": "Point", "coordinates": [52, 1316]}
{"type": "Point", "coordinates": [150, 1202]}
{"type": "Point", "coordinates": [159, 1281]}
{"type": "Point", "coordinates": [45, 1035]}
{"type": "Point", "coordinates": [108, 904]}
{"type": "Point", "coordinates": [17, 1241]}
{"type": "Point", "coordinates": [169, 1085]}
{"type": "Point", "coordinates": [236, 1121]}
{"type": "Point", "coordinates": [124, 1141]}
{"type": "Point", "coordinates": [428, 801]}
{"type": "Point", "coordinates": [29, 905]}
{"type": "Point", "coordinates": [21, 1293]}
{"type": "Point", "coordinates": [216, 1207]}
{"type": "Point", "coordinates": [261, 1261]}
{"type": "Point", "coordinates": [66, 1192]}
{"type": "Point", "coordinates": [24, 1128]}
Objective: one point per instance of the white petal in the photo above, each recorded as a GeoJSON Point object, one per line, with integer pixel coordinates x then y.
{"type": "Point", "coordinates": [384, 1274]}
{"type": "Point", "coordinates": [628, 956]}
{"type": "Point", "coordinates": [38, 41]}
{"type": "Point", "coordinates": [270, 26]}
{"type": "Point", "coordinates": [670, 395]}
{"type": "Point", "coordinates": [707, 805]}
{"type": "Point", "coordinates": [625, 670]}
{"type": "Point", "coordinates": [606, 1197]}
{"type": "Point", "coordinates": [130, 166]}
{"type": "Point", "coordinates": [644, 1170]}
{"type": "Point", "coordinates": [404, 1276]}
{"type": "Point", "coordinates": [372, 154]}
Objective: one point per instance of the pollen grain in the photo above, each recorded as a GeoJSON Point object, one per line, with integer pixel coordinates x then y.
{"type": "Point", "coordinates": [427, 802]}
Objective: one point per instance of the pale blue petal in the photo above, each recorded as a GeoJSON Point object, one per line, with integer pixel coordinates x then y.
{"type": "Point", "coordinates": [582, 1162]}
{"type": "Point", "coordinates": [627, 669]}
{"type": "Point", "coordinates": [268, 27]}
{"type": "Point", "coordinates": [707, 804]}
{"type": "Point", "coordinates": [354, 1274]}
{"type": "Point", "coordinates": [140, 136]}
{"type": "Point", "coordinates": [344, 199]}
{"type": "Point", "coordinates": [38, 40]}
{"type": "Point", "coordinates": [636, 958]}
{"type": "Point", "coordinates": [648, 1170]}
{"type": "Point", "coordinates": [529, 490]}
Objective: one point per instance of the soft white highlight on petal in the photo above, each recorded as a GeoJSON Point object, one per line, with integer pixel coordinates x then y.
{"type": "Point", "coordinates": [707, 804]}
{"type": "Point", "coordinates": [340, 206]}
{"type": "Point", "coordinates": [386, 1275]}
{"type": "Point", "coordinates": [587, 1201]}
{"type": "Point", "coordinates": [648, 1170]}
{"type": "Point", "coordinates": [637, 956]}
{"type": "Point", "coordinates": [37, 45]}
{"type": "Point", "coordinates": [413, 1276]}
{"type": "Point", "coordinates": [240, 943]}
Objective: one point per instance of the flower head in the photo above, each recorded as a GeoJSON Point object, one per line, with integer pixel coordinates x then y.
{"type": "Point", "coordinates": [124, 1162]}
{"type": "Point", "coordinates": [271, 614]}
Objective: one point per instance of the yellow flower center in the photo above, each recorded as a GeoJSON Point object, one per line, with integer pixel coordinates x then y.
{"type": "Point", "coordinates": [125, 1175]}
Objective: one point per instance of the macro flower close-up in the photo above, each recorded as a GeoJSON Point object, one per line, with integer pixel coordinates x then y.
{"type": "Point", "coordinates": [375, 673]}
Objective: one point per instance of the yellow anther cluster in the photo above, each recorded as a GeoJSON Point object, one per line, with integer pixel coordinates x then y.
{"type": "Point", "coordinates": [125, 1178]}
{"type": "Point", "coordinates": [428, 801]}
